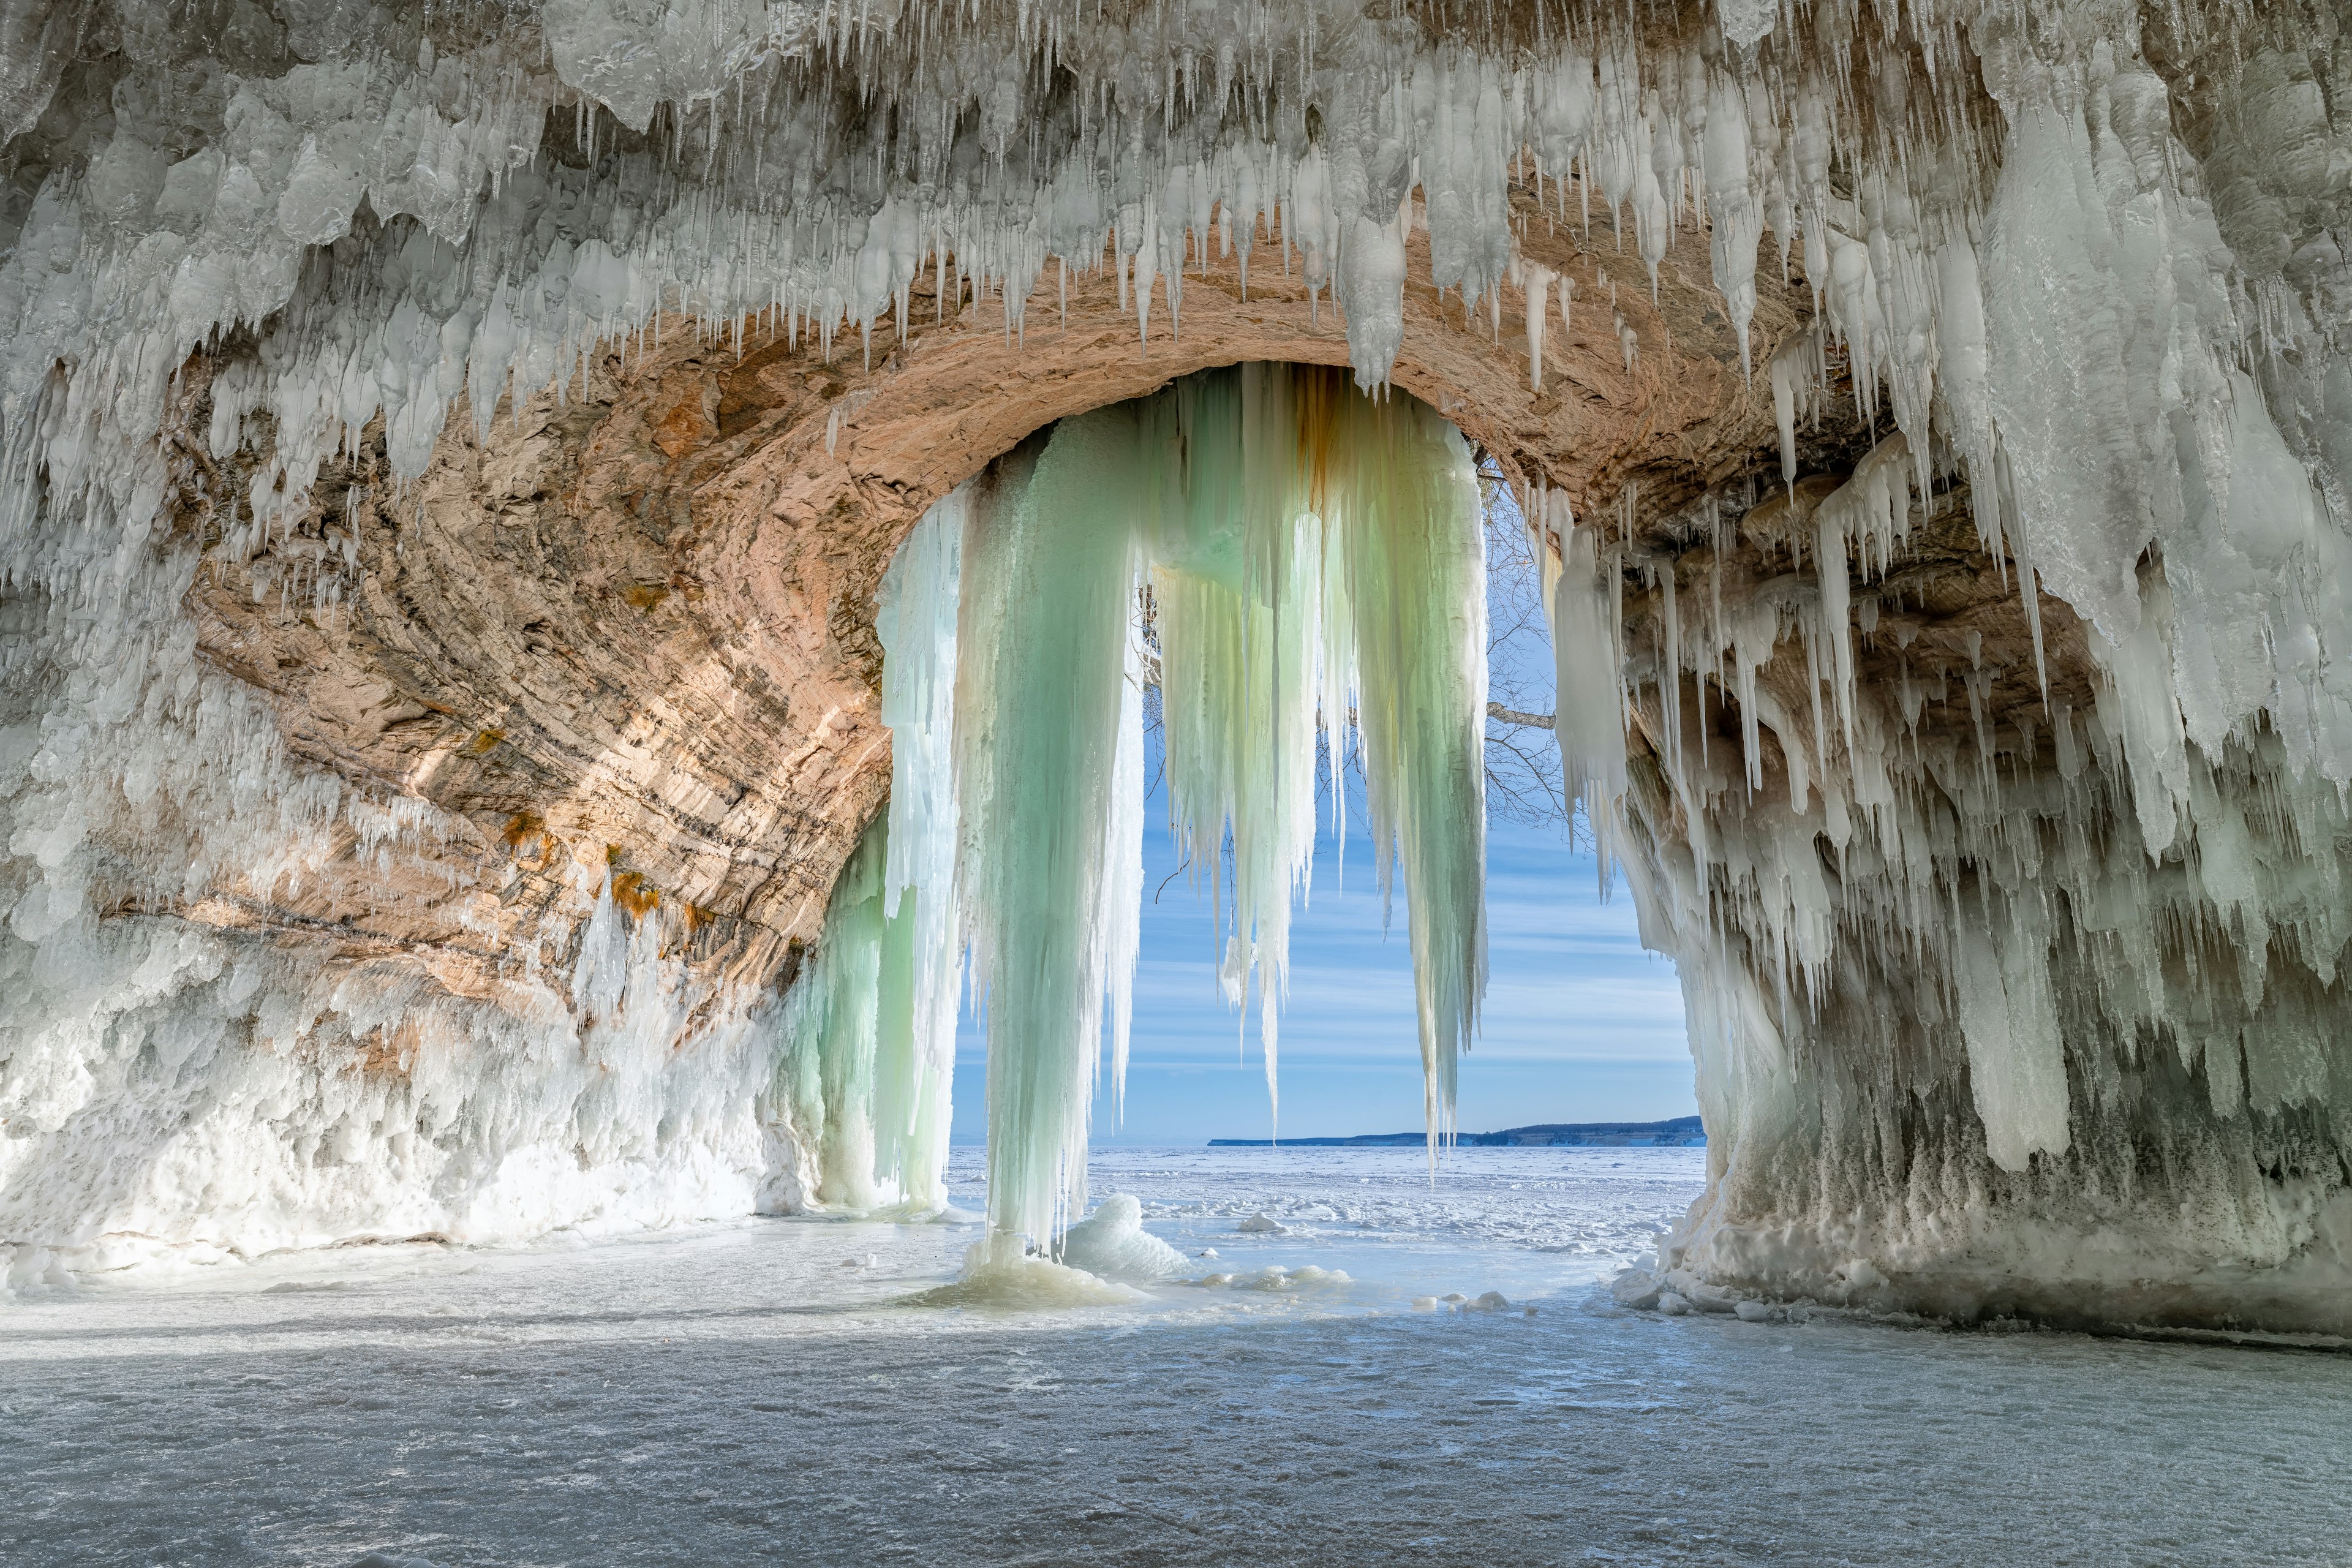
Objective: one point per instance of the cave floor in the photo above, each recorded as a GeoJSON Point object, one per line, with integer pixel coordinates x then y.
{"type": "Point", "coordinates": [760, 1392]}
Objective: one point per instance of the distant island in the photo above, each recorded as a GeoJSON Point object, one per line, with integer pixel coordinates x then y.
{"type": "Point", "coordinates": [1682, 1131]}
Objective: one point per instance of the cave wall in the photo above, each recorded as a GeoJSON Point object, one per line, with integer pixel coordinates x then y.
{"type": "Point", "coordinates": [1973, 1038]}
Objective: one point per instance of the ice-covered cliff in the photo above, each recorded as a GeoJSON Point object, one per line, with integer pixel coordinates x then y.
{"type": "Point", "coordinates": [448, 461]}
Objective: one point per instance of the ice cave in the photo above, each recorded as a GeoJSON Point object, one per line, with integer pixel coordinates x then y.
{"type": "Point", "coordinates": [578, 581]}
{"type": "Point", "coordinates": [584, 583]}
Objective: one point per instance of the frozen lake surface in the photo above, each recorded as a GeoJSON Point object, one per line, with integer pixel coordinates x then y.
{"type": "Point", "coordinates": [761, 1391]}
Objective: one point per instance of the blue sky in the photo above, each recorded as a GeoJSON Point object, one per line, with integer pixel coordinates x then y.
{"type": "Point", "coordinates": [1580, 1024]}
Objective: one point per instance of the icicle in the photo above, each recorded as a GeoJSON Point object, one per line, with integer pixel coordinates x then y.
{"type": "Point", "coordinates": [1538, 280]}
{"type": "Point", "coordinates": [1590, 724]}
{"type": "Point", "coordinates": [915, 622]}
{"type": "Point", "coordinates": [1123, 860]}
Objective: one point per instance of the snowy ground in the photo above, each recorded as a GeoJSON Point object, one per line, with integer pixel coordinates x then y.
{"type": "Point", "coordinates": [758, 1393]}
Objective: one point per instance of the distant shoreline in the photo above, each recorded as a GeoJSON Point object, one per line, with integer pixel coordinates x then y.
{"type": "Point", "coordinates": [1681, 1133]}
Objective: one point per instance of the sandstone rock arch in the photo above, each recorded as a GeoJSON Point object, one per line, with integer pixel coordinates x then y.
{"type": "Point", "coordinates": [635, 625]}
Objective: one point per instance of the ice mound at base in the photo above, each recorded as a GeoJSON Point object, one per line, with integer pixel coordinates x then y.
{"type": "Point", "coordinates": [1112, 1242]}
{"type": "Point", "coordinates": [997, 1274]}
{"type": "Point", "coordinates": [1274, 1276]}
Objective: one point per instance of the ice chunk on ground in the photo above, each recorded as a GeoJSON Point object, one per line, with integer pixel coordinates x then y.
{"type": "Point", "coordinates": [1112, 1242]}
{"type": "Point", "coordinates": [1636, 1290]}
{"type": "Point", "coordinates": [1261, 1224]}
{"type": "Point", "coordinates": [1701, 1296]}
{"type": "Point", "coordinates": [995, 1276]}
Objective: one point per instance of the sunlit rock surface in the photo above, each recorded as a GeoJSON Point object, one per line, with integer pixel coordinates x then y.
{"type": "Point", "coordinates": [449, 471]}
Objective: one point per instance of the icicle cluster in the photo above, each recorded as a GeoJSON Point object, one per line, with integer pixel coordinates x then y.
{"type": "Point", "coordinates": [1963, 940]}
{"type": "Point", "coordinates": [1314, 569]}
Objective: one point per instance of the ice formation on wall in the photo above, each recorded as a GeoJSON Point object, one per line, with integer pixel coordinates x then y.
{"type": "Point", "coordinates": [171, 1092]}
{"type": "Point", "coordinates": [2087, 260]}
{"type": "Point", "coordinates": [1968, 938]}
{"type": "Point", "coordinates": [1315, 566]}
{"type": "Point", "coordinates": [867, 1053]}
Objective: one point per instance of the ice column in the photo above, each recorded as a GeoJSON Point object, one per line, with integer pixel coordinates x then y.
{"type": "Point", "coordinates": [826, 1078]}
{"type": "Point", "coordinates": [1049, 572]}
{"type": "Point", "coordinates": [923, 948]}
{"type": "Point", "coordinates": [869, 1027]}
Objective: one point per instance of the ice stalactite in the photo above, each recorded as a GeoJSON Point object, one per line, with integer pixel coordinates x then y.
{"type": "Point", "coordinates": [1314, 568]}
{"type": "Point", "coordinates": [1415, 601]}
{"type": "Point", "coordinates": [1246, 676]}
{"type": "Point", "coordinates": [923, 946]}
{"type": "Point", "coordinates": [1583, 579]}
{"type": "Point", "coordinates": [1049, 576]}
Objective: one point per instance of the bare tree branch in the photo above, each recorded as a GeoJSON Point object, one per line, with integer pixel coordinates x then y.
{"type": "Point", "coordinates": [1523, 774]}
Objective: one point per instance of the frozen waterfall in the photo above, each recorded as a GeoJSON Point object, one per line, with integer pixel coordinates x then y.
{"type": "Point", "coordinates": [1314, 565]}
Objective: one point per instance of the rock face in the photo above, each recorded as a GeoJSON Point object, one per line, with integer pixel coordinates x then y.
{"type": "Point", "coordinates": [634, 627]}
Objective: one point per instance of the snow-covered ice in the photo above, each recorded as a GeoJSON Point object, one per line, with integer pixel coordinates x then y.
{"type": "Point", "coordinates": [732, 1393]}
